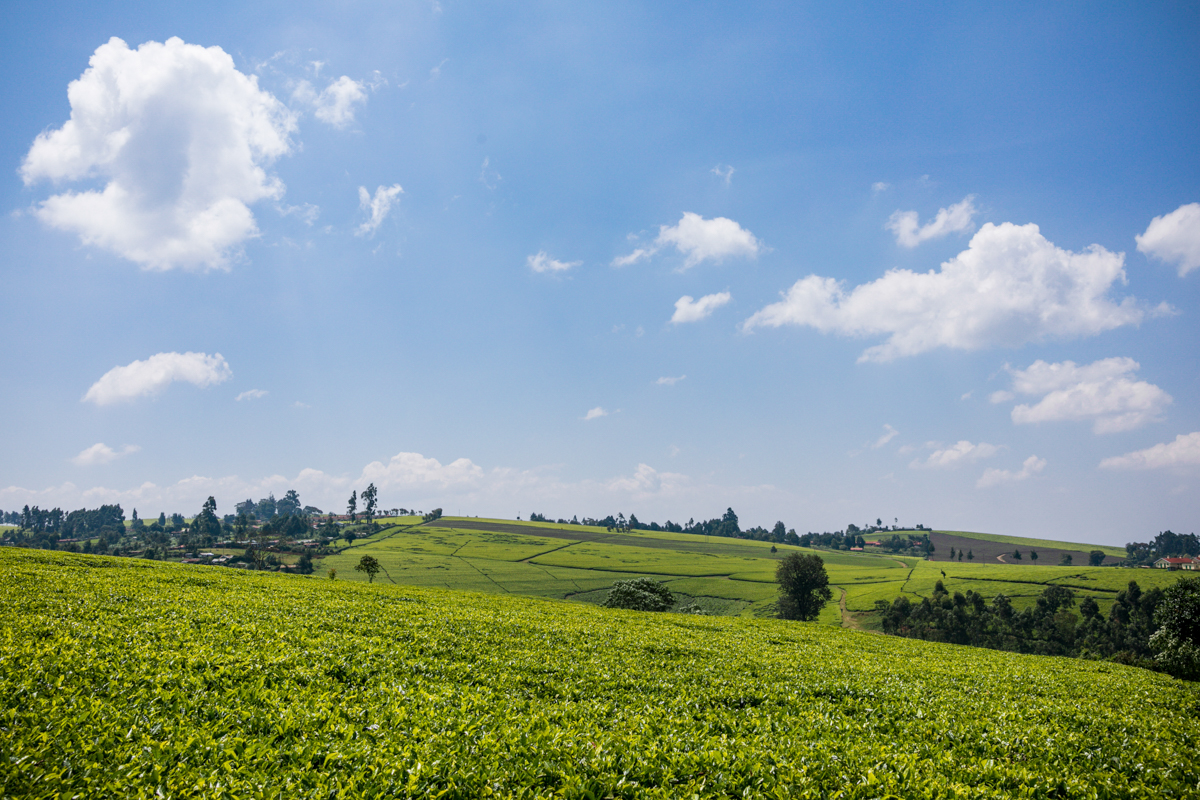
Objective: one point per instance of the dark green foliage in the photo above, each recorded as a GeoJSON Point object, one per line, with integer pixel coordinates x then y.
{"type": "Point", "coordinates": [1096, 558]}
{"type": "Point", "coordinates": [1176, 644]}
{"type": "Point", "coordinates": [803, 586]}
{"type": "Point", "coordinates": [432, 515]}
{"type": "Point", "coordinates": [1048, 628]}
{"type": "Point", "coordinates": [640, 594]}
{"type": "Point", "coordinates": [369, 565]}
{"type": "Point", "coordinates": [1066, 560]}
{"type": "Point", "coordinates": [206, 522]}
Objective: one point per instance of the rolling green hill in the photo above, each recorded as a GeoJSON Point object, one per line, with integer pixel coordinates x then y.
{"type": "Point", "coordinates": [725, 576]}
{"type": "Point", "coordinates": [121, 677]}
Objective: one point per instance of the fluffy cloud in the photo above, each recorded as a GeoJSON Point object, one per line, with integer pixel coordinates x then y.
{"type": "Point", "coordinates": [669, 381]}
{"type": "Point", "coordinates": [1009, 287]}
{"type": "Point", "coordinates": [335, 103]}
{"type": "Point", "coordinates": [889, 434]}
{"type": "Point", "coordinates": [411, 479]}
{"type": "Point", "coordinates": [595, 413]}
{"type": "Point", "coordinates": [1103, 391]}
{"type": "Point", "coordinates": [1174, 238]}
{"type": "Point", "coordinates": [407, 471]}
{"type": "Point", "coordinates": [957, 455]}
{"type": "Point", "coordinates": [251, 394]}
{"type": "Point", "coordinates": [544, 263]}
{"type": "Point", "coordinates": [1184, 451]}
{"type": "Point", "coordinates": [909, 233]}
{"type": "Point", "coordinates": [156, 373]}
{"type": "Point", "coordinates": [995, 477]}
{"type": "Point", "coordinates": [377, 207]}
{"type": "Point", "coordinates": [699, 239]}
{"type": "Point", "coordinates": [688, 309]}
{"type": "Point", "coordinates": [181, 140]}
{"type": "Point", "coordinates": [100, 453]}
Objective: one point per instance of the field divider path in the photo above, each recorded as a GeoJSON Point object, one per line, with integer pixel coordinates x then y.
{"type": "Point", "coordinates": [545, 553]}
{"type": "Point", "coordinates": [484, 574]}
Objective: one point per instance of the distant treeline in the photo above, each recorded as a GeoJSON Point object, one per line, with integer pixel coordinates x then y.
{"type": "Point", "coordinates": [1165, 545]}
{"type": "Point", "coordinates": [1047, 628]}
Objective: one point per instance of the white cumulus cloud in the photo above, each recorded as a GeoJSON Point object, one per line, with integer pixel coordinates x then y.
{"type": "Point", "coordinates": [181, 141]}
{"type": "Point", "coordinates": [1009, 287]}
{"type": "Point", "coordinates": [595, 413]}
{"type": "Point", "coordinates": [335, 103]}
{"type": "Point", "coordinates": [1184, 451]}
{"type": "Point", "coordinates": [377, 207]}
{"type": "Point", "coordinates": [251, 394]}
{"type": "Point", "coordinates": [688, 309]}
{"type": "Point", "coordinates": [1174, 238]}
{"type": "Point", "coordinates": [156, 373]}
{"type": "Point", "coordinates": [544, 263]}
{"type": "Point", "coordinates": [910, 233]}
{"type": "Point", "coordinates": [698, 239]}
{"type": "Point", "coordinates": [957, 455]}
{"type": "Point", "coordinates": [1104, 392]}
{"type": "Point", "coordinates": [994, 477]}
{"type": "Point", "coordinates": [100, 453]}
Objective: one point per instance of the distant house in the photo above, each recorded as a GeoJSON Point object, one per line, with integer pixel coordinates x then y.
{"type": "Point", "coordinates": [874, 544]}
{"type": "Point", "coordinates": [1171, 562]}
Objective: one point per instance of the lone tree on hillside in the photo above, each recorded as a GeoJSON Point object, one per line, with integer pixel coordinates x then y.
{"type": "Point", "coordinates": [639, 594]}
{"type": "Point", "coordinates": [1096, 558]}
{"type": "Point", "coordinates": [352, 506]}
{"type": "Point", "coordinates": [369, 565]}
{"type": "Point", "coordinates": [803, 586]}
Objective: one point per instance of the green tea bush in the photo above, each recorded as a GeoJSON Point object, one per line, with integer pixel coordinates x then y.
{"type": "Point", "coordinates": [133, 679]}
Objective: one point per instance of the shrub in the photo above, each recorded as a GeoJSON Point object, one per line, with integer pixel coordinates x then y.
{"type": "Point", "coordinates": [639, 594]}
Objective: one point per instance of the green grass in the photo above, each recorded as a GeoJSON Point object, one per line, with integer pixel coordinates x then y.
{"type": "Point", "coordinates": [122, 678]}
{"type": "Point", "coordinates": [1049, 544]}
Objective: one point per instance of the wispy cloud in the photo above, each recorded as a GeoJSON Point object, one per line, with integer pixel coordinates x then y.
{"type": "Point", "coordinates": [956, 455]}
{"type": "Point", "coordinates": [541, 262]}
{"type": "Point", "coordinates": [100, 453]}
{"type": "Point", "coordinates": [377, 207]}
{"type": "Point", "coordinates": [251, 394]}
{"type": "Point", "coordinates": [669, 381]}
{"type": "Point", "coordinates": [889, 434]}
{"type": "Point", "coordinates": [995, 477]}
{"type": "Point", "coordinates": [725, 173]}
{"type": "Point", "coordinates": [595, 413]}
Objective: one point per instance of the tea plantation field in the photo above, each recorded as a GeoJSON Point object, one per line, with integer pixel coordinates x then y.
{"type": "Point", "coordinates": [725, 576]}
{"type": "Point", "coordinates": [127, 678]}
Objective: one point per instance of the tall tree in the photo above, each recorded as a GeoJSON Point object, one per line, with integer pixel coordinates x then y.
{"type": "Point", "coordinates": [352, 506]}
{"type": "Point", "coordinates": [206, 522]}
{"type": "Point", "coordinates": [803, 586]}
{"type": "Point", "coordinates": [369, 496]}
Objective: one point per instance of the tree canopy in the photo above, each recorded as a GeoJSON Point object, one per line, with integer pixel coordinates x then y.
{"type": "Point", "coordinates": [640, 594]}
{"type": "Point", "coordinates": [803, 586]}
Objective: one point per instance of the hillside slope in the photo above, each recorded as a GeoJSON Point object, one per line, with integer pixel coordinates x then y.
{"type": "Point", "coordinates": [128, 678]}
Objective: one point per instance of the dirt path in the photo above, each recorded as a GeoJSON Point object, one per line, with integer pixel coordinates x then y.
{"type": "Point", "coordinates": [848, 620]}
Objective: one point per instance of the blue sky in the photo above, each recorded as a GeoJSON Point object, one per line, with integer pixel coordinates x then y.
{"type": "Point", "coordinates": [821, 265]}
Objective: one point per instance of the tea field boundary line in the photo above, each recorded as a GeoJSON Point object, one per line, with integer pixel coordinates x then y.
{"type": "Point", "coordinates": [484, 574]}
